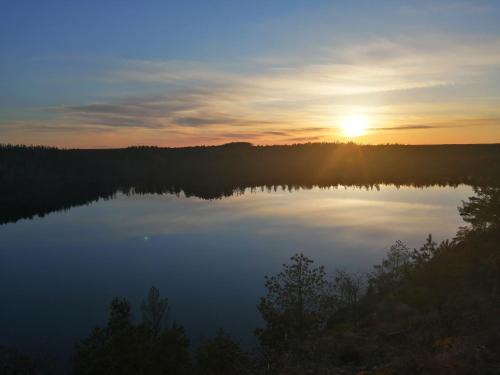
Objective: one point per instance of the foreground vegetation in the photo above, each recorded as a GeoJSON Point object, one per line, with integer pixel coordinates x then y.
{"type": "Point", "coordinates": [432, 310]}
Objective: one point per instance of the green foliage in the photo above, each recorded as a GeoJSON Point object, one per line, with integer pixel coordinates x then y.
{"type": "Point", "coordinates": [348, 289]}
{"type": "Point", "coordinates": [154, 311]}
{"type": "Point", "coordinates": [221, 355]}
{"type": "Point", "coordinates": [393, 269]}
{"type": "Point", "coordinates": [14, 363]}
{"type": "Point", "coordinates": [123, 348]}
{"type": "Point", "coordinates": [482, 211]}
{"type": "Point", "coordinates": [296, 304]}
{"type": "Point", "coordinates": [119, 319]}
{"type": "Point", "coordinates": [425, 253]}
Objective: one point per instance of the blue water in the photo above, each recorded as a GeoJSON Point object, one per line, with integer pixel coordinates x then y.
{"type": "Point", "coordinates": [59, 273]}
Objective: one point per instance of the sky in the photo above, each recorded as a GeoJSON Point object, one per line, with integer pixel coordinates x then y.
{"type": "Point", "coordinates": [97, 73]}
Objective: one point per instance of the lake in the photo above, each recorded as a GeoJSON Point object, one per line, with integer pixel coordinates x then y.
{"type": "Point", "coordinates": [58, 273]}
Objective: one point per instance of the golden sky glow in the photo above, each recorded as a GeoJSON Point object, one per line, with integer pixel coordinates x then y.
{"type": "Point", "coordinates": [354, 125]}
{"type": "Point", "coordinates": [423, 74]}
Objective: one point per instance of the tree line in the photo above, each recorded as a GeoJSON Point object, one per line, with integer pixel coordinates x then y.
{"type": "Point", "coordinates": [38, 180]}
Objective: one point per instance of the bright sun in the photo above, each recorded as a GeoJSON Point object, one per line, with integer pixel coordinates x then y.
{"type": "Point", "coordinates": [354, 125]}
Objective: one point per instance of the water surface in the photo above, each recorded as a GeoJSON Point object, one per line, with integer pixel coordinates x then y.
{"type": "Point", "coordinates": [59, 273]}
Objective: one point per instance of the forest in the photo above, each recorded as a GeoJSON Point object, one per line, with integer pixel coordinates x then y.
{"type": "Point", "coordinates": [429, 310]}
{"type": "Point", "coordinates": [66, 178]}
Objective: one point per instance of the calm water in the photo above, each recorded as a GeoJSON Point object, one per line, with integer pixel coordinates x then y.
{"type": "Point", "coordinates": [59, 273]}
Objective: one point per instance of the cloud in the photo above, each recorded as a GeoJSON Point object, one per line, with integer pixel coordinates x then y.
{"type": "Point", "coordinates": [406, 127]}
{"type": "Point", "coordinates": [458, 123]}
{"type": "Point", "coordinates": [297, 100]}
{"type": "Point", "coordinates": [152, 112]}
{"type": "Point", "coordinates": [197, 121]}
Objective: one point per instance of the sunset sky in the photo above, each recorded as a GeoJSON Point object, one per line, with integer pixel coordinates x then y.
{"type": "Point", "coordinates": [174, 73]}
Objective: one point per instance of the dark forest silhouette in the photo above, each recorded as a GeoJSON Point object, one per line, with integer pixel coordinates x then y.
{"type": "Point", "coordinates": [39, 180]}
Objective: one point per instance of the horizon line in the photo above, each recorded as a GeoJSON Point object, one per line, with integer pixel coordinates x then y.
{"type": "Point", "coordinates": [244, 143]}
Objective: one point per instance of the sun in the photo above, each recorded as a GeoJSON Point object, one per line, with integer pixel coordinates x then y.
{"type": "Point", "coordinates": [354, 125]}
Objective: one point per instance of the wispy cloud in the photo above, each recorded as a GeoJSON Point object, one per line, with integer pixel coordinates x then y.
{"type": "Point", "coordinates": [407, 127]}
{"type": "Point", "coordinates": [282, 100]}
{"type": "Point", "coordinates": [459, 123]}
